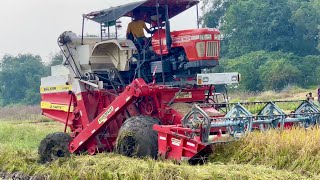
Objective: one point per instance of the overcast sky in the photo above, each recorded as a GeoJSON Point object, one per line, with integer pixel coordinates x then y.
{"type": "Point", "coordinates": [33, 26]}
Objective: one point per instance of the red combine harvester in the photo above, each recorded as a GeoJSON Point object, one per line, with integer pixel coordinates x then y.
{"type": "Point", "coordinates": [153, 100]}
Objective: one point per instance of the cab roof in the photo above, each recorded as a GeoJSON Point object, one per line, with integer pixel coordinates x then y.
{"type": "Point", "coordinates": [146, 7]}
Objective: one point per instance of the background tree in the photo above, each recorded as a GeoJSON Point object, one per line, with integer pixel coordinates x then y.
{"type": "Point", "coordinates": [278, 74]}
{"type": "Point", "coordinates": [20, 79]}
{"type": "Point", "coordinates": [254, 25]}
{"type": "Point", "coordinates": [261, 70]}
{"type": "Point", "coordinates": [271, 25]}
{"type": "Point", "coordinates": [247, 66]}
{"type": "Point", "coordinates": [271, 43]}
{"type": "Point", "coordinates": [306, 18]}
{"type": "Point", "coordinates": [56, 59]}
{"type": "Point", "coordinates": [214, 12]}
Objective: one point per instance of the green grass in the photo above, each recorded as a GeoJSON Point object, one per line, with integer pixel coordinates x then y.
{"type": "Point", "coordinates": [25, 134]}
{"type": "Point", "coordinates": [19, 141]}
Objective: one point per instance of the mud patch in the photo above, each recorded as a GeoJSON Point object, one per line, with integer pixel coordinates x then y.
{"type": "Point", "coordinates": [19, 176]}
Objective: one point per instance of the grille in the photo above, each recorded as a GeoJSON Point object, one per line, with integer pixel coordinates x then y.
{"type": "Point", "coordinates": [212, 49]}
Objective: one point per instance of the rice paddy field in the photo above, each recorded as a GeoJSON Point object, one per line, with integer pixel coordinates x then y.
{"type": "Point", "coordinates": [275, 154]}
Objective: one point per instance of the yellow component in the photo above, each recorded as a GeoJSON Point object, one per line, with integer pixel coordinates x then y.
{"type": "Point", "coordinates": [51, 89]}
{"type": "Point", "coordinates": [58, 107]}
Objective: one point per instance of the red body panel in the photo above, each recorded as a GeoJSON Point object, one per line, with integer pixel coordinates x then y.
{"type": "Point", "coordinates": [187, 39]}
{"type": "Point", "coordinates": [173, 145]}
{"type": "Point", "coordinates": [61, 98]}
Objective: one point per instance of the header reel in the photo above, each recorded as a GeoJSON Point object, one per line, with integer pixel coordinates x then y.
{"type": "Point", "coordinates": [239, 121]}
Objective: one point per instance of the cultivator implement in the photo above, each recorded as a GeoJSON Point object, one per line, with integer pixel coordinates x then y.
{"type": "Point", "coordinates": [199, 130]}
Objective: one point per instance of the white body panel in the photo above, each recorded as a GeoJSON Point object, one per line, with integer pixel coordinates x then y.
{"type": "Point", "coordinates": [96, 55]}
{"type": "Point", "coordinates": [112, 54]}
{"type": "Point", "coordinates": [218, 78]}
{"type": "Point", "coordinates": [55, 80]}
{"type": "Point", "coordinates": [59, 70]}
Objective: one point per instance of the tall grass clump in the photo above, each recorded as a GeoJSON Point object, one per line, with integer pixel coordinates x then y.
{"type": "Point", "coordinates": [295, 150]}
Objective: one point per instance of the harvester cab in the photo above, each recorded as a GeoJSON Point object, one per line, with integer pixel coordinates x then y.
{"type": "Point", "coordinates": [173, 56]}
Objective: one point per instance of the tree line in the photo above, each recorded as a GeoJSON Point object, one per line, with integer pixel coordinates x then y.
{"type": "Point", "coordinates": [272, 43]}
{"type": "Point", "coordinates": [20, 78]}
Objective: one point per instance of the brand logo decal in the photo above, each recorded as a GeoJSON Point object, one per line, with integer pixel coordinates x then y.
{"type": "Point", "coordinates": [104, 117]}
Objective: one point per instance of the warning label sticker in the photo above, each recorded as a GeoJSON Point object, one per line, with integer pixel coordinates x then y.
{"type": "Point", "coordinates": [191, 144]}
{"type": "Point", "coordinates": [58, 107]}
{"type": "Point", "coordinates": [162, 138]}
{"type": "Point", "coordinates": [176, 142]}
{"type": "Point", "coordinates": [53, 89]}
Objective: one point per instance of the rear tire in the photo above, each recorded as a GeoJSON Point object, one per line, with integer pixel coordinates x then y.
{"type": "Point", "coordinates": [136, 137]}
{"type": "Point", "coordinates": [53, 147]}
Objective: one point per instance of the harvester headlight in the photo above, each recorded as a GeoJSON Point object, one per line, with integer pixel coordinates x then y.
{"type": "Point", "coordinates": [206, 37]}
{"type": "Point", "coordinates": [217, 37]}
{"type": "Point", "coordinates": [200, 46]}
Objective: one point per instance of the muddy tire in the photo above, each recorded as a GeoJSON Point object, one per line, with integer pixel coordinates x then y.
{"type": "Point", "coordinates": [53, 147]}
{"type": "Point", "coordinates": [136, 137]}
